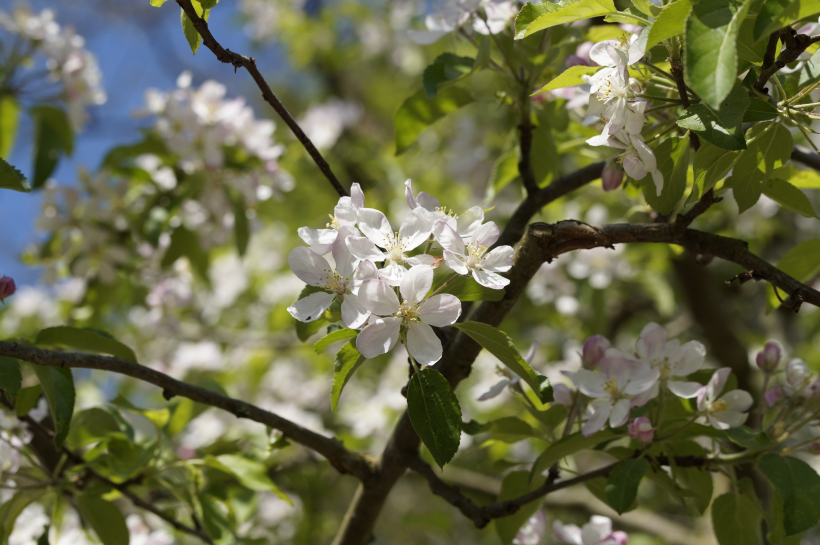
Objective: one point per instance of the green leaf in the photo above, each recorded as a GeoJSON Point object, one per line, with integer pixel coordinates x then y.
{"type": "Point", "coordinates": [748, 48]}
{"type": "Point", "coordinates": [208, 4]}
{"type": "Point", "coordinates": [509, 429]}
{"type": "Point", "coordinates": [447, 68]}
{"type": "Point", "coordinates": [568, 78]}
{"type": "Point", "coordinates": [670, 22]}
{"type": "Point", "coordinates": [501, 346]}
{"type": "Point", "coordinates": [9, 117]}
{"type": "Point", "coordinates": [482, 57]}
{"type": "Point", "coordinates": [629, 16]}
{"type": "Point", "coordinates": [435, 413]}
{"type": "Point", "coordinates": [85, 339]}
{"type": "Point", "coordinates": [710, 55]}
{"type": "Point", "coordinates": [810, 73]}
{"type": "Point", "coordinates": [27, 399]}
{"type": "Point", "coordinates": [58, 389]}
{"type": "Point", "coordinates": [711, 164]}
{"type": "Point", "coordinates": [505, 170]}
{"type": "Point", "coordinates": [673, 162]}
{"type": "Point", "coordinates": [622, 485]}
{"type": "Point", "coordinates": [537, 17]}
{"type": "Point", "coordinates": [702, 120]}
{"type": "Point", "coordinates": [159, 417]}
{"type": "Point", "coordinates": [11, 380]}
{"type": "Point", "coordinates": [514, 485]}
{"type": "Point", "coordinates": [43, 539]}
{"type": "Point", "coordinates": [11, 178]}
{"type": "Point", "coordinates": [241, 226]}
{"type": "Point", "coordinates": [696, 481]}
{"type": "Point", "coordinates": [759, 110]}
{"type": "Point", "coordinates": [467, 289]}
{"type": "Point", "coordinates": [749, 438]}
{"type": "Point", "coordinates": [53, 138]}
{"type": "Point", "coordinates": [647, 7]}
{"type": "Point", "coordinates": [348, 359]}
{"type": "Point", "coordinates": [418, 112]}
{"type": "Point", "coordinates": [755, 165]}
{"type": "Point", "coordinates": [339, 335]}
{"type": "Point", "coordinates": [104, 518]}
{"type": "Point", "coordinates": [801, 262]}
{"type": "Point", "coordinates": [250, 474]}
{"type": "Point", "coordinates": [569, 445]}
{"type": "Point", "coordinates": [191, 35]}
{"type": "Point", "coordinates": [157, 3]}
{"type": "Point", "coordinates": [804, 179]}
{"type": "Point", "coordinates": [736, 520]}
{"type": "Point", "coordinates": [789, 197]}
{"type": "Point", "coordinates": [92, 425]}
{"type": "Point", "coordinates": [797, 484]}
{"type": "Point", "coordinates": [773, 15]}
{"type": "Point", "coordinates": [186, 243]}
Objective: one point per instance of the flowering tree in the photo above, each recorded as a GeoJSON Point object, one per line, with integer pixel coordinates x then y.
{"type": "Point", "coordinates": [207, 270]}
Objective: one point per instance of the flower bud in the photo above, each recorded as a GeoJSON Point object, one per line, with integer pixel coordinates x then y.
{"type": "Point", "coordinates": [575, 60]}
{"type": "Point", "coordinates": [594, 349]}
{"type": "Point", "coordinates": [768, 358]}
{"type": "Point", "coordinates": [797, 374]}
{"type": "Point", "coordinates": [814, 448]}
{"type": "Point", "coordinates": [621, 538]}
{"type": "Point", "coordinates": [641, 428]}
{"type": "Point", "coordinates": [612, 176]}
{"type": "Point", "coordinates": [7, 287]}
{"type": "Point", "coordinates": [773, 396]}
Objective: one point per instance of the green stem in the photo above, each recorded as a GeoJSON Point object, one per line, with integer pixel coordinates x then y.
{"type": "Point", "coordinates": [659, 99]}
{"type": "Point", "coordinates": [441, 287]}
{"type": "Point", "coordinates": [658, 108]}
{"type": "Point", "coordinates": [671, 127]}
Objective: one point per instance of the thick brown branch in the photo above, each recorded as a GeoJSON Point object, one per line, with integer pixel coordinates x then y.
{"type": "Point", "coordinates": [795, 45]}
{"type": "Point", "coordinates": [342, 459]}
{"type": "Point", "coordinates": [807, 158]}
{"type": "Point", "coordinates": [229, 57]}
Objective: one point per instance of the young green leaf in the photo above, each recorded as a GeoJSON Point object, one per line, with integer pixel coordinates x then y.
{"type": "Point", "coordinates": [569, 445]}
{"type": "Point", "coordinates": [711, 165]}
{"type": "Point", "coordinates": [447, 68]}
{"type": "Point", "coordinates": [736, 520]}
{"type": "Point", "coordinates": [702, 120]}
{"type": "Point", "coordinates": [789, 197]}
{"type": "Point", "coordinates": [747, 437]}
{"type": "Point", "coordinates": [104, 518]}
{"type": "Point", "coordinates": [92, 425]}
{"type": "Point", "coordinates": [797, 483]}
{"type": "Point", "coordinates": [501, 346]}
{"type": "Point", "coordinates": [11, 380]}
{"type": "Point", "coordinates": [622, 485]}
{"type": "Point", "coordinates": [568, 78]}
{"type": "Point", "coordinates": [337, 336]}
{"type": "Point", "coordinates": [775, 14]}
{"type": "Point", "coordinates": [418, 112]}
{"type": "Point", "coordinates": [53, 137]}
{"type": "Point", "coordinates": [509, 429]}
{"type": "Point", "coordinates": [673, 162]}
{"type": "Point", "coordinates": [647, 8]}
{"type": "Point", "coordinates": [537, 17]}
{"type": "Point", "coordinates": [241, 226]}
{"type": "Point", "coordinates": [801, 262]}
{"type": "Point", "coordinates": [670, 22]}
{"type": "Point", "coordinates": [27, 399]}
{"type": "Point", "coordinates": [11, 178]}
{"type": "Point", "coordinates": [250, 473]}
{"type": "Point", "coordinates": [85, 339]}
{"type": "Point", "coordinates": [759, 110]}
{"type": "Point", "coordinates": [348, 359]}
{"type": "Point", "coordinates": [58, 388]}
{"type": "Point", "coordinates": [9, 116]}
{"type": "Point", "coordinates": [191, 35]}
{"type": "Point", "coordinates": [810, 73]}
{"type": "Point", "coordinates": [159, 417]}
{"type": "Point", "coordinates": [710, 57]}
{"type": "Point", "coordinates": [467, 289]}
{"type": "Point", "coordinates": [769, 149]}
{"type": "Point", "coordinates": [435, 413]}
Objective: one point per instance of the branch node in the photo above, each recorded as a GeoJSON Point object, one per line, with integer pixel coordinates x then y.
{"type": "Point", "coordinates": [744, 277]}
{"type": "Point", "coordinates": [167, 394]}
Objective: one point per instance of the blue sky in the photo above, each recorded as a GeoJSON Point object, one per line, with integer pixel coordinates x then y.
{"type": "Point", "coordinates": [137, 47]}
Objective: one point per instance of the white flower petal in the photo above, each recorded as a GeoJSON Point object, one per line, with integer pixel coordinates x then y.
{"type": "Point", "coordinates": [408, 193]}
{"type": "Point", "coordinates": [490, 279]}
{"type": "Point", "coordinates": [727, 419]}
{"type": "Point", "coordinates": [486, 235]}
{"type": "Point", "coordinates": [357, 196]}
{"type": "Point", "coordinates": [689, 358]}
{"type": "Point", "coordinates": [652, 342]}
{"type": "Point", "coordinates": [448, 238]}
{"type": "Point", "coordinates": [392, 273]}
{"type": "Point", "coordinates": [738, 400]}
{"type": "Point", "coordinates": [686, 390]}
{"type": "Point", "coordinates": [455, 262]}
{"type": "Point", "coordinates": [591, 384]}
{"type": "Point", "coordinates": [346, 262]}
{"type": "Point", "coordinates": [499, 259]}
{"type": "Point", "coordinates": [428, 202]}
{"type": "Point", "coordinates": [354, 315]}
{"type": "Point", "coordinates": [415, 229]}
{"type": "Point", "coordinates": [416, 283]}
{"type": "Point", "coordinates": [311, 307]}
{"type": "Point", "coordinates": [601, 408]}
{"type": "Point", "coordinates": [363, 248]}
{"type": "Point", "coordinates": [319, 240]}
{"type": "Point", "coordinates": [423, 344]}
{"type": "Point", "coordinates": [374, 226]}
{"type": "Point", "coordinates": [440, 310]}
{"type": "Point", "coordinates": [308, 266]}
{"type": "Point", "coordinates": [568, 533]}
{"type": "Point", "coordinates": [494, 390]}
{"type": "Point", "coordinates": [469, 220]}
{"type": "Point", "coordinates": [379, 337]}
{"type": "Point", "coordinates": [365, 271]}
{"type": "Point", "coordinates": [423, 259]}
{"type": "Point", "coordinates": [716, 383]}
{"type": "Point", "coordinates": [620, 413]}
{"type": "Point", "coordinates": [377, 297]}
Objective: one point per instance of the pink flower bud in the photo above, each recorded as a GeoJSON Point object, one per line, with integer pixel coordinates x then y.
{"type": "Point", "coordinates": [814, 389]}
{"type": "Point", "coordinates": [768, 358]}
{"type": "Point", "coordinates": [594, 349]}
{"type": "Point", "coordinates": [814, 448]}
{"type": "Point", "coordinates": [773, 396]}
{"type": "Point", "coordinates": [612, 176]}
{"type": "Point", "coordinates": [621, 538]}
{"type": "Point", "coordinates": [582, 51]}
{"type": "Point", "coordinates": [7, 287]}
{"type": "Point", "coordinates": [641, 428]}
{"type": "Point", "coordinates": [575, 60]}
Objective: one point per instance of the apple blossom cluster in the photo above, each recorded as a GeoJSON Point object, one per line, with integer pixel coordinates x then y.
{"type": "Point", "coordinates": [598, 531]}
{"type": "Point", "coordinates": [614, 96]}
{"type": "Point", "coordinates": [616, 382]}
{"type": "Point", "coordinates": [382, 284]}
{"type": "Point", "coordinates": [67, 60]}
{"type": "Point", "coordinates": [465, 15]}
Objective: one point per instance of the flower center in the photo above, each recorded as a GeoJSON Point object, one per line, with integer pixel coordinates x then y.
{"type": "Point", "coordinates": [334, 223]}
{"type": "Point", "coordinates": [717, 407]}
{"type": "Point", "coordinates": [475, 255]}
{"type": "Point", "coordinates": [408, 312]}
{"type": "Point", "coordinates": [447, 212]}
{"type": "Point", "coordinates": [611, 387]}
{"type": "Point", "coordinates": [395, 248]}
{"type": "Point", "coordinates": [333, 282]}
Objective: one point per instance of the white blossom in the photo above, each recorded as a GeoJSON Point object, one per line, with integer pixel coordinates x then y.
{"type": "Point", "coordinates": [344, 216]}
{"type": "Point", "coordinates": [728, 410]}
{"type": "Point", "coordinates": [409, 318]}
{"type": "Point", "coordinates": [638, 158]}
{"type": "Point", "coordinates": [474, 257]}
{"type": "Point", "coordinates": [598, 531]}
{"type": "Point", "coordinates": [464, 223]}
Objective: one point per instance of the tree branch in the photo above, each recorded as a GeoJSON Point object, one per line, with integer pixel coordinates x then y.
{"type": "Point", "coordinates": [249, 63]}
{"type": "Point", "coordinates": [795, 44]}
{"type": "Point", "coordinates": [342, 459]}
